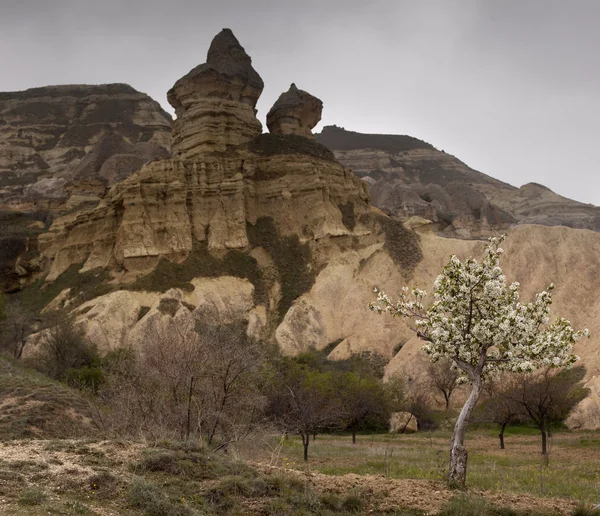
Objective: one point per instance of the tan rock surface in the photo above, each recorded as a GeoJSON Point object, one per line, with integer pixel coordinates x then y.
{"type": "Point", "coordinates": [170, 204]}
{"type": "Point", "coordinates": [46, 131]}
{"type": "Point", "coordinates": [403, 423]}
{"type": "Point", "coordinates": [215, 102]}
{"type": "Point", "coordinates": [295, 112]}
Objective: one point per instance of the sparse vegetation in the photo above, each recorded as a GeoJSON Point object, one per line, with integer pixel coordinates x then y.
{"type": "Point", "coordinates": [84, 286]}
{"type": "Point", "coordinates": [202, 264]}
{"type": "Point", "coordinates": [292, 260]}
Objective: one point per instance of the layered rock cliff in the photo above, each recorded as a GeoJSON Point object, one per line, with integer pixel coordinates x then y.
{"type": "Point", "coordinates": [409, 177]}
{"type": "Point", "coordinates": [215, 102]}
{"type": "Point", "coordinates": [46, 132]}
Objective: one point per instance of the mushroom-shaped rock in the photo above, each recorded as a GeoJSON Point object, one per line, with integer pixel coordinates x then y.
{"type": "Point", "coordinates": [215, 102]}
{"type": "Point", "coordinates": [295, 112]}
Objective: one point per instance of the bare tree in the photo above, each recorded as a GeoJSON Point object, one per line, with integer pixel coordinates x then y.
{"type": "Point", "coordinates": [230, 382]}
{"type": "Point", "coordinates": [405, 394]}
{"type": "Point", "coordinates": [500, 406]}
{"type": "Point", "coordinates": [363, 401]}
{"type": "Point", "coordinates": [18, 324]}
{"type": "Point", "coordinates": [303, 400]}
{"type": "Point", "coordinates": [443, 378]}
{"type": "Point", "coordinates": [549, 396]}
{"type": "Point", "coordinates": [187, 381]}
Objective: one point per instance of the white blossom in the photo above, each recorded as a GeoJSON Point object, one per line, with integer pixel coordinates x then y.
{"type": "Point", "coordinates": [477, 320]}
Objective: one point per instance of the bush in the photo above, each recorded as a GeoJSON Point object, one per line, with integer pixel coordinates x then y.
{"type": "Point", "coordinates": [153, 501]}
{"type": "Point", "coordinates": [66, 355]}
{"type": "Point", "coordinates": [32, 496]}
{"type": "Point", "coordinates": [353, 503]}
{"type": "Point", "coordinates": [104, 484]}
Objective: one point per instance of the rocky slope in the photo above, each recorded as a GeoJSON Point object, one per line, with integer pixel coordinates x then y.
{"type": "Point", "coordinates": [409, 177]}
{"type": "Point", "coordinates": [45, 133]}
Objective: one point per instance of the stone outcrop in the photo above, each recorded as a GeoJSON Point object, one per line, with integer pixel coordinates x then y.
{"type": "Point", "coordinates": [215, 102]}
{"type": "Point", "coordinates": [46, 132]}
{"type": "Point", "coordinates": [295, 112]}
{"type": "Point", "coordinates": [409, 177]}
{"type": "Point", "coordinates": [403, 423]}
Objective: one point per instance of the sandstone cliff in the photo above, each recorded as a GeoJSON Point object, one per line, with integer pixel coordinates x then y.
{"type": "Point", "coordinates": [408, 177]}
{"type": "Point", "coordinates": [61, 148]}
{"type": "Point", "coordinates": [271, 208]}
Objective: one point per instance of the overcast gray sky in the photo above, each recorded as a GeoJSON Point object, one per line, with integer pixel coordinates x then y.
{"type": "Point", "coordinates": [510, 87]}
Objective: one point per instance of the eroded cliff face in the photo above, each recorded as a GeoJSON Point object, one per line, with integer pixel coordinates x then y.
{"type": "Point", "coordinates": [271, 209]}
{"type": "Point", "coordinates": [46, 132]}
{"type": "Point", "coordinates": [61, 148]}
{"type": "Point", "coordinates": [171, 204]}
{"type": "Point", "coordinates": [408, 177]}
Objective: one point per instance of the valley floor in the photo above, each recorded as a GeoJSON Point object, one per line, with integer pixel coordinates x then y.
{"type": "Point", "coordinates": [381, 474]}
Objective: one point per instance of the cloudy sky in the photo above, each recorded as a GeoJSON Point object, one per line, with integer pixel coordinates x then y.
{"type": "Point", "coordinates": [510, 87]}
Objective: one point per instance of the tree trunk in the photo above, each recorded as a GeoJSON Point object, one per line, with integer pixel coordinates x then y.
{"type": "Point", "coordinates": [544, 445]}
{"type": "Point", "coordinates": [189, 409]}
{"type": "Point", "coordinates": [305, 441]}
{"type": "Point", "coordinates": [457, 475]}
{"type": "Point", "coordinates": [353, 435]}
{"type": "Point", "coordinates": [501, 436]}
{"type": "Point", "coordinates": [447, 398]}
{"type": "Point", "coordinates": [314, 436]}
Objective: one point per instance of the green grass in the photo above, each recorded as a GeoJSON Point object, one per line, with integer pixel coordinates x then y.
{"type": "Point", "coordinates": [32, 496]}
{"type": "Point", "coordinates": [518, 469]}
{"type": "Point", "coordinates": [84, 286]}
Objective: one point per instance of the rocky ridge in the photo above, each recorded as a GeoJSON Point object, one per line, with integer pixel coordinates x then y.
{"type": "Point", "coordinates": [46, 132]}
{"type": "Point", "coordinates": [408, 177]}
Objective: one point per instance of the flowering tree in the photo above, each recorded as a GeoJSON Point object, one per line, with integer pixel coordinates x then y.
{"type": "Point", "coordinates": [477, 321]}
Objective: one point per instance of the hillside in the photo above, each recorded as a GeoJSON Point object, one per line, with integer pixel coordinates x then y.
{"type": "Point", "coordinates": [61, 148]}
{"type": "Point", "coordinates": [409, 177]}
{"type": "Point", "coordinates": [46, 132]}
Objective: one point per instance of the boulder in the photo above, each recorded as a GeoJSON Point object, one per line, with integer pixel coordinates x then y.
{"type": "Point", "coordinates": [295, 112]}
{"type": "Point", "coordinates": [403, 423]}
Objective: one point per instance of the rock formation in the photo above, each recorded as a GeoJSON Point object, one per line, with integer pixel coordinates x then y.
{"type": "Point", "coordinates": [45, 132]}
{"type": "Point", "coordinates": [215, 102]}
{"type": "Point", "coordinates": [295, 112]}
{"type": "Point", "coordinates": [409, 177]}
{"type": "Point", "coordinates": [200, 197]}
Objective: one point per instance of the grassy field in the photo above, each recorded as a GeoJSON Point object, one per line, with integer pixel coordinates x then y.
{"type": "Point", "coordinates": [573, 469]}
{"type": "Point", "coordinates": [379, 475]}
